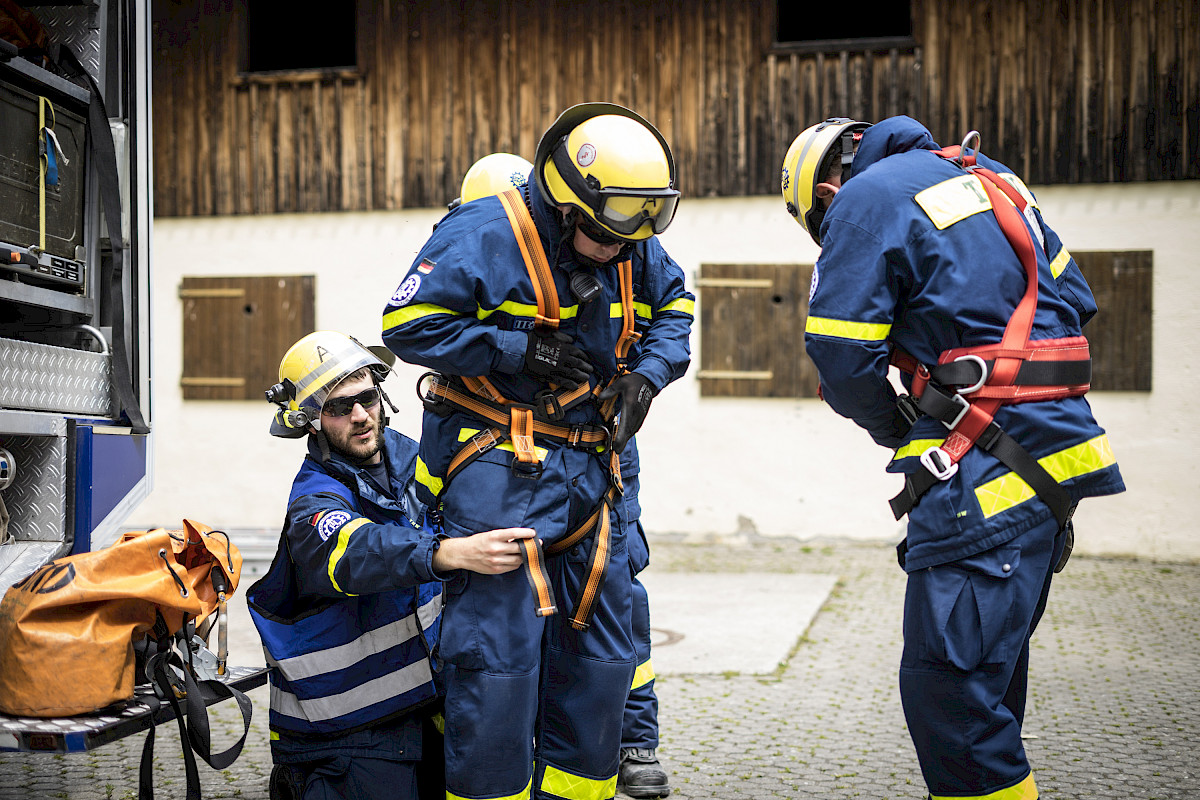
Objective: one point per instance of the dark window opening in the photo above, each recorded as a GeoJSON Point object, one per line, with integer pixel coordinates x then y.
{"type": "Point", "coordinates": [818, 22]}
{"type": "Point", "coordinates": [299, 35]}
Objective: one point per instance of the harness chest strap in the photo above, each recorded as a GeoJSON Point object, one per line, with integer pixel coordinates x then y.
{"type": "Point", "coordinates": [1015, 370]}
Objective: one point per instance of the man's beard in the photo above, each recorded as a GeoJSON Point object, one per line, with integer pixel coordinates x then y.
{"type": "Point", "coordinates": [355, 451]}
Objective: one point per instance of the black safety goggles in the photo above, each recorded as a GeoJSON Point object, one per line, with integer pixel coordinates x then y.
{"type": "Point", "coordinates": [341, 406]}
{"type": "Point", "coordinates": [624, 210]}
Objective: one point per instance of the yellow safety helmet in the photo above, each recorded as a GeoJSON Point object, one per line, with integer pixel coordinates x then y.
{"type": "Point", "coordinates": [807, 161]}
{"type": "Point", "coordinates": [494, 174]}
{"type": "Point", "coordinates": [612, 165]}
{"type": "Point", "coordinates": [309, 371]}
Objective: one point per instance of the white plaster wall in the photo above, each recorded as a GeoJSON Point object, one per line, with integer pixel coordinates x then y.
{"type": "Point", "coordinates": [718, 466]}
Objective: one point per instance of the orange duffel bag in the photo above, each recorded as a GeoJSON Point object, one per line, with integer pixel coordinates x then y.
{"type": "Point", "coordinates": [67, 631]}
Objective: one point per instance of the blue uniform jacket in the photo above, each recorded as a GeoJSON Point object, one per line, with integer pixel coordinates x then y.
{"type": "Point", "coordinates": [467, 304]}
{"type": "Point", "coordinates": [912, 255]}
{"type": "Point", "coordinates": [350, 610]}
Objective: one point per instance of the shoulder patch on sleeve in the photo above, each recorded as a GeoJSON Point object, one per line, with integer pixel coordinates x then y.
{"type": "Point", "coordinates": [329, 522]}
{"type": "Point", "coordinates": [407, 290]}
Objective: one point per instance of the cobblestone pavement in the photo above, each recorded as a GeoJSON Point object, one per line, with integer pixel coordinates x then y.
{"type": "Point", "coordinates": [1114, 704]}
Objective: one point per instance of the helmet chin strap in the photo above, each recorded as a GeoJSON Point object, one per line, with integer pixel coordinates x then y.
{"type": "Point", "coordinates": [584, 261]}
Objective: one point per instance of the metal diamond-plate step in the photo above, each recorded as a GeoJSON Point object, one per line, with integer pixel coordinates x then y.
{"type": "Point", "coordinates": [41, 377]}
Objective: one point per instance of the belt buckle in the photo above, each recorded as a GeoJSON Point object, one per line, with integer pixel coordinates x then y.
{"type": "Point", "coordinates": [943, 470]}
{"type": "Point", "coordinates": [529, 472]}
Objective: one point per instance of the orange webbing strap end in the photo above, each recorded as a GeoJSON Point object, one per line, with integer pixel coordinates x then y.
{"type": "Point", "coordinates": [484, 388]}
{"type": "Point", "coordinates": [629, 334]}
{"type": "Point", "coordinates": [521, 433]}
{"type": "Point", "coordinates": [535, 257]}
{"type": "Point", "coordinates": [535, 570]}
{"type": "Point", "coordinates": [597, 568]}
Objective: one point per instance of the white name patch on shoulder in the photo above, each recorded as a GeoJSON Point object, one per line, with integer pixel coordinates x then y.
{"type": "Point", "coordinates": [954, 200]}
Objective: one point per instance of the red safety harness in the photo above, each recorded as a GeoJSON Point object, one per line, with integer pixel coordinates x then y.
{"type": "Point", "coordinates": [523, 424]}
{"type": "Point", "coordinates": [969, 384]}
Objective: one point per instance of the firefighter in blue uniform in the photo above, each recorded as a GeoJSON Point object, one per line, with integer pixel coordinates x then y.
{"type": "Point", "coordinates": [640, 774]}
{"type": "Point", "coordinates": [534, 696]}
{"type": "Point", "coordinates": [924, 261]}
{"type": "Point", "coordinates": [351, 606]}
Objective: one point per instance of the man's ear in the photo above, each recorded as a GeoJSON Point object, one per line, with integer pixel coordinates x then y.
{"type": "Point", "coordinates": [825, 191]}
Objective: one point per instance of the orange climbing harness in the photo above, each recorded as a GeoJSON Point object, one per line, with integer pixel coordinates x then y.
{"type": "Point", "coordinates": [523, 424]}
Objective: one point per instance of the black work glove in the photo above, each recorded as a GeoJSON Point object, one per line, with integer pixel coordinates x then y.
{"type": "Point", "coordinates": [636, 392]}
{"type": "Point", "coordinates": [554, 357]}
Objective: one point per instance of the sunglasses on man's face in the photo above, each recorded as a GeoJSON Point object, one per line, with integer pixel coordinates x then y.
{"type": "Point", "coordinates": [341, 406]}
{"type": "Point", "coordinates": [598, 235]}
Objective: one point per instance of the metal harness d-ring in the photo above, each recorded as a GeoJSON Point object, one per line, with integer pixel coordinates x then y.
{"type": "Point", "coordinates": [962, 148]}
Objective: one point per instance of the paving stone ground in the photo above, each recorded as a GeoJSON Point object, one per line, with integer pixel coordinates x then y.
{"type": "Point", "coordinates": [1114, 704]}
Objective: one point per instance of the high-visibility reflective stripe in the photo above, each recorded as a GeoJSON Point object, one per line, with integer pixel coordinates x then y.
{"type": "Point", "coordinates": [342, 543]}
{"type": "Point", "coordinates": [370, 643]}
{"type": "Point", "coordinates": [845, 329]}
{"type": "Point", "coordinates": [354, 699]}
{"type": "Point", "coordinates": [430, 482]}
{"type": "Point", "coordinates": [394, 319]}
{"type": "Point", "coordinates": [574, 787]}
{"type": "Point", "coordinates": [1010, 490]}
{"type": "Point", "coordinates": [682, 304]}
{"type": "Point", "coordinates": [521, 795]}
{"type": "Point", "coordinates": [1025, 790]}
{"type": "Point", "coordinates": [467, 433]}
{"type": "Point", "coordinates": [916, 447]}
{"type": "Point", "coordinates": [274, 736]}
{"type": "Point", "coordinates": [1060, 262]}
{"type": "Point", "coordinates": [639, 309]}
{"type": "Point", "coordinates": [526, 310]}
{"type": "Point", "coordinates": [643, 674]}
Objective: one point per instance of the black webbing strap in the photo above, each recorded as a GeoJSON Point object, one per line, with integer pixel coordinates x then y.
{"type": "Point", "coordinates": [1032, 373]}
{"type": "Point", "coordinates": [104, 153]}
{"type": "Point", "coordinates": [1005, 449]}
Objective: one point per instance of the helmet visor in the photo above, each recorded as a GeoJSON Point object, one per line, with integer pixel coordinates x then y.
{"type": "Point", "coordinates": [623, 210]}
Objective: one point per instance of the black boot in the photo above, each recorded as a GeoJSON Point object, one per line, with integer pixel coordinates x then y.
{"type": "Point", "coordinates": [640, 774]}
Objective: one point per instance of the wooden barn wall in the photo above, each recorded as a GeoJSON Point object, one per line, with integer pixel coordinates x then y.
{"type": "Point", "coordinates": [1070, 91]}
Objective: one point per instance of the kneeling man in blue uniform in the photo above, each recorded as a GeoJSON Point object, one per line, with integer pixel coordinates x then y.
{"type": "Point", "coordinates": [938, 260]}
{"type": "Point", "coordinates": [350, 610]}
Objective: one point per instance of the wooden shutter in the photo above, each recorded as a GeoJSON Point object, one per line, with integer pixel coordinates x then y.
{"type": "Point", "coordinates": [752, 331]}
{"type": "Point", "coordinates": [1121, 333]}
{"type": "Point", "coordinates": [236, 329]}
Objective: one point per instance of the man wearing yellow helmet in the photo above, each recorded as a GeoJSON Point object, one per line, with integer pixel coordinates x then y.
{"type": "Point", "coordinates": [938, 260]}
{"type": "Point", "coordinates": [544, 310]}
{"type": "Point", "coordinates": [350, 608]}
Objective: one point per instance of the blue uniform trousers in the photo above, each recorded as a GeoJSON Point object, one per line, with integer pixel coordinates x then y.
{"type": "Point", "coordinates": [533, 707]}
{"type": "Point", "coordinates": [639, 728]}
{"type": "Point", "coordinates": [964, 669]}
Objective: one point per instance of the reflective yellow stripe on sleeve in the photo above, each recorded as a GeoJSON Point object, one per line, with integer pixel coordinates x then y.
{"type": "Point", "coordinates": [845, 329]}
{"type": "Point", "coordinates": [916, 447]}
{"type": "Point", "coordinates": [574, 787]}
{"type": "Point", "coordinates": [524, 310]}
{"type": "Point", "coordinates": [342, 543]}
{"type": "Point", "coordinates": [1060, 262]}
{"type": "Point", "coordinates": [1025, 790]}
{"type": "Point", "coordinates": [682, 305]}
{"type": "Point", "coordinates": [521, 795]}
{"type": "Point", "coordinates": [1010, 490]}
{"type": "Point", "coordinates": [394, 319]}
{"type": "Point", "coordinates": [430, 482]}
{"type": "Point", "coordinates": [642, 675]}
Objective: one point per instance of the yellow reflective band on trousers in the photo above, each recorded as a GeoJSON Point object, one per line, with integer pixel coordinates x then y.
{"type": "Point", "coordinates": [1010, 490]}
{"type": "Point", "coordinates": [1060, 262]}
{"type": "Point", "coordinates": [916, 447]}
{"type": "Point", "coordinates": [521, 795]}
{"type": "Point", "coordinates": [394, 319]}
{"type": "Point", "coordinates": [573, 787]}
{"type": "Point", "coordinates": [845, 329]}
{"type": "Point", "coordinates": [430, 482]}
{"type": "Point", "coordinates": [342, 543]}
{"type": "Point", "coordinates": [642, 675]}
{"type": "Point", "coordinates": [1025, 790]}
